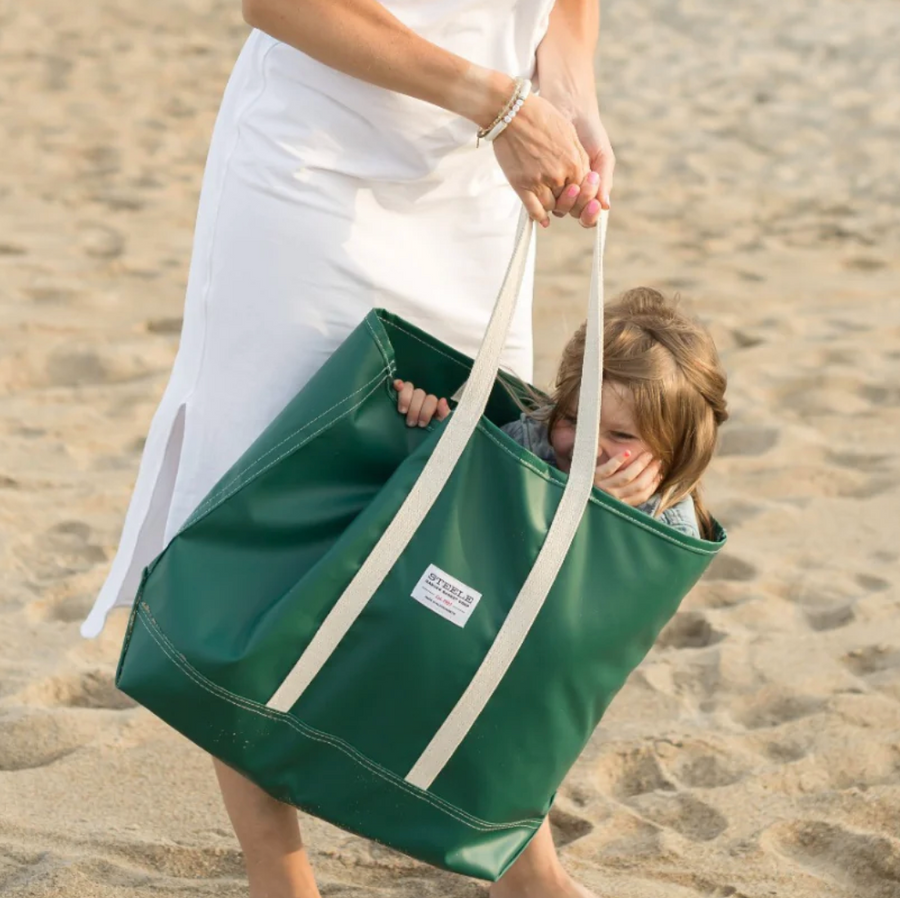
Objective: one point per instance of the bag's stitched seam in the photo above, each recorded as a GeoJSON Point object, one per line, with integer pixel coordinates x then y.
{"type": "Point", "coordinates": [240, 480]}
{"type": "Point", "coordinates": [316, 735]}
{"type": "Point", "coordinates": [425, 343]}
{"type": "Point", "coordinates": [594, 499]}
{"type": "Point", "coordinates": [255, 462]}
{"type": "Point", "coordinates": [389, 364]}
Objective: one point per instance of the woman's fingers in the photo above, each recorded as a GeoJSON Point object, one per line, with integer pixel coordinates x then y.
{"type": "Point", "coordinates": [605, 163]}
{"type": "Point", "coordinates": [540, 154]}
{"type": "Point", "coordinates": [567, 200]}
{"type": "Point", "coordinates": [590, 215]}
{"type": "Point", "coordinates": [534, 207]}
{"type": "Point", "coordinates": [577, 197]}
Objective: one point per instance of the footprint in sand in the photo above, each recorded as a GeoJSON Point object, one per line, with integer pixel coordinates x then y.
{"type": "Point", "coordinates": [881, 395]}
{"type": "Point", "coordinates": [859, 461]}
{"type": "Point", "coordinates": [823, 619]}
{"type": "Point", "coordinates": [729, 567]}
{"type": "Point", "coordinates": [66, 607]}
{"type": "Point", "coordinates": [630, 772]}
{"type": "Point", "coordinates": [70, 368]}
{"type": "Point", "coordinates": [732, 513]}
{"type": "Point", "coordinates": [683, 813]}
{"type": "Point", "coordinates": [873, 659]}
{"type": "Point", "coordinates": [70, 365]}
{"type": "Point", "coordinates": [864, 263]}
{"type": "Point", "coordinates": [872, 488]}
{"type": "Point", "coordinates": [868, 863]}
{"type": "Point", "coordinates": [84, 689]}
{"type": "Point", "coordinates": [60, 553]}
{"type": "Point", "coordinates": [630, 837]}
{"type": "Point", "coordinates": [567, 827]}
{"type": "Point", "coordinates": [747, 440]}
{"type": "Point", "coordinates": [70, 543]}
{"type": "Point", "coordinates": [197, 863]}
{"type": "Point", "coordinates": [703, 765]}
{"type": "Point", "coordinates": [689, 630]}
{"type": "Point", "coordinates": [164, 325]}
{"type": "Point", "coordinates": [30, 738]}
{"type": "Point", "coordinates": [745, 339]}
{"type": "Point", "coordinates": [100, 241]}
{"type": "Point", "coordinates": [773, 707]}
{"type": "Point", "coordinates": [785, 751]}
{"type": "Point", "coordinates": [872, 583]}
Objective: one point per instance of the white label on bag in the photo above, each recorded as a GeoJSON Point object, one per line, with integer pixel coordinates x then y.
{"type": "Point", "coordinates": [445, 595]}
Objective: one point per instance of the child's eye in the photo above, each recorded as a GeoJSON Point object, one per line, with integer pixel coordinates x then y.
{"type": "Point", "coordinates": [620, 435]}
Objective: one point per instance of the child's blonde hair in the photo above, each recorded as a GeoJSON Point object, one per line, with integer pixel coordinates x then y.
{"type": "Point", "coordinates": [669, 364]}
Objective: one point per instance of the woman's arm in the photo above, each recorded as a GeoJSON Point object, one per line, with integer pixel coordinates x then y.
{"type": "Point", "coordinates": [540, 152]}
{"type": "Point", "coordinates": [565, 71]}
{"type": "Point", "coordinates": [363, 39]}
{"type": "Point", "coordinates": [565, 57]}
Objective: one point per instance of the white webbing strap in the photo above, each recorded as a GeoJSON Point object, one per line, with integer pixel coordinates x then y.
{"type": "Point", "coordinates": [552, 554]}
{"type": "Point", "coordinates": [426, 489]}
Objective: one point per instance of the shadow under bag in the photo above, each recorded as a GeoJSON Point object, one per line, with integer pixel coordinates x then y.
{"type": "Point", "coordinates": [411, 633]}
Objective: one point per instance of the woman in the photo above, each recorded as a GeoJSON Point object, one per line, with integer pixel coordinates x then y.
{"type": "Point", "coordinates": [343, 175]}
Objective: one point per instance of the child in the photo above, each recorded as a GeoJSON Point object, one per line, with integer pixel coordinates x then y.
{"type": "Point", "coordinates": [663, 399]}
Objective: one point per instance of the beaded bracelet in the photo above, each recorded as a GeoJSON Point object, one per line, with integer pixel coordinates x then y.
{"type": "Point", "coordinates": [508, 113]}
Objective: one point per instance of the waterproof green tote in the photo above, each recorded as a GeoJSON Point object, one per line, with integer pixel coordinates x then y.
{"type": "Point", "coordinates": [411, 633]}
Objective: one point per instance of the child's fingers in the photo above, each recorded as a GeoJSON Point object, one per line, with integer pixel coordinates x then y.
{"type": "Point", "coordinates": [609, 467]}
{"type": "Point", "coordinates": [426, 412]}
{"type": "Point", "coordinates": [443, 409]}
{"type": "Point", "coordinates": [619, 482]}
{"type": "Point", "coordinates": [415, 407]}
{"type": "Point", "coordinates": [639, 490]}
{"type": "Point", "coordinates": [405, 393]}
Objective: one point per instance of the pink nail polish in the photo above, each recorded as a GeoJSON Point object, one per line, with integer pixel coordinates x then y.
{"type": "Point", "coordinates": [593, 207]}
{"type": "Point", "coordinates": [593, 178]}
{"type": "Point", "coordinates": [573, 190]}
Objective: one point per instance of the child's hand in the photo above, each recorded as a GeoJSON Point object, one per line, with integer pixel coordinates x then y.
{"type": "Point", "coordinates": [633, 484]}
{"type": "Point", "coordinates": [418, 407]}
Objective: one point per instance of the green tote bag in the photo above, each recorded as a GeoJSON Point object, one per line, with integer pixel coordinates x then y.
{"type": "Point", "coordinates": [411, 633]}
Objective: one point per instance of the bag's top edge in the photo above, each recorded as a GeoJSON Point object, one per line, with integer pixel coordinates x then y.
{"type": "Point", "coordinates": [604, 500]}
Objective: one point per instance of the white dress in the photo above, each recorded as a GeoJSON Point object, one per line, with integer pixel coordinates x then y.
{"type": "Point", "coordinates": [324, 197]}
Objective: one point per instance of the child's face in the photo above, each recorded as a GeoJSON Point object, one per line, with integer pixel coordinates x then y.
{"type": "Point", "coordinates": [618, 432]}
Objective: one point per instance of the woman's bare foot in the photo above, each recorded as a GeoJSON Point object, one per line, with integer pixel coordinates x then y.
{"type": "Point", "coordinates": [538, 873]}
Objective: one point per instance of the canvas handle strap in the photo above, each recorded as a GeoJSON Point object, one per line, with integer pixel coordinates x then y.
{"type": "Point", "coordinates": [552, 554]}
{"type": "Point", "coordinates": [436, 472]}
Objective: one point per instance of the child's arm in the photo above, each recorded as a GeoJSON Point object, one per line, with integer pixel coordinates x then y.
{"type": "Point", "coordinates": [418, 406]}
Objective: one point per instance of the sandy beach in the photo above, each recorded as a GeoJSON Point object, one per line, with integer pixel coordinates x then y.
{"type": "Point", "coordinates": [756, 752]}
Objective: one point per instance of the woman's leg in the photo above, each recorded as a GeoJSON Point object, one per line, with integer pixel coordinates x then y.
{"type": "Point", "coordinates": [269, 833]}
{"type": "Point", "coordinates": [538, 873]}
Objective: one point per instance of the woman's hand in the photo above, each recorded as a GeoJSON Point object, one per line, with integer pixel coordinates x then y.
{"type": "Point", "coordinates": [540, 153]}
{"type": "Point", "coordinates": [418, 406]}
{"type": "Point", "coordinates": [592, 194]}
{"type": "Point", "coordinates": [633, 484]}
